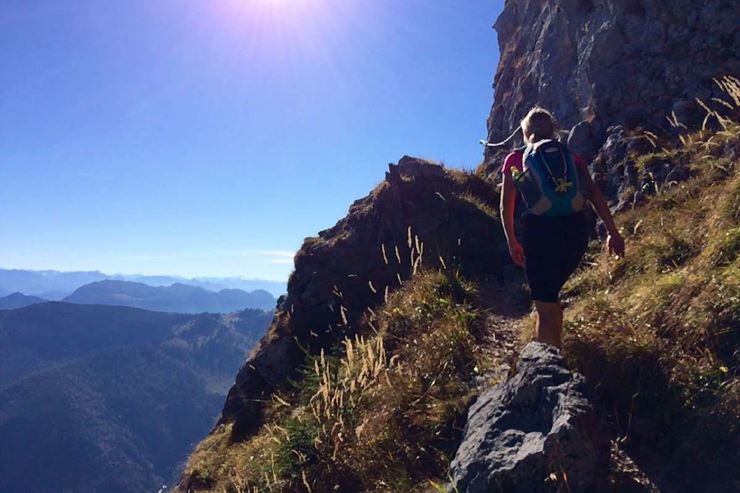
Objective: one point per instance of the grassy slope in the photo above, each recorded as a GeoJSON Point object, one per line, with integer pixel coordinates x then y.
{"type": "Point", "coordinates": [655, 333]}
{"type": "Point", "coordinates": [382, 411]}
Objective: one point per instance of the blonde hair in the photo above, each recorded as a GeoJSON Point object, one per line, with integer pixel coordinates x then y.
{"type": "Point", "coordinates": [539, 124]}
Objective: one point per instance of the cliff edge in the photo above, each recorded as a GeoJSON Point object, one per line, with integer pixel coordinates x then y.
{"type": "Point", "coordinates": [421, 214]}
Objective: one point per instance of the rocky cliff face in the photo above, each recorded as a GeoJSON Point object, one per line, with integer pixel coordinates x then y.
{"type": "Point", "coordinates": [421, 214]}
{"type": "Point", "coordinates": [611, 62]}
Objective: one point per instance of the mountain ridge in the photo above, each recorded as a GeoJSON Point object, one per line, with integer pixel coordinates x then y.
{"type": "Point", "coordinates": [55, 285]}
{"type": "Point", "coordinates": [18, 300]}
{"type": "Point", "coordinates": [176, 298]}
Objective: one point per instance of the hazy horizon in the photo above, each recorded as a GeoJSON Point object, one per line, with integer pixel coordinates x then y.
{"type": "Point", "coordinates": [154, 273]}
{"type": "Point", "coordinates": [208, 139]}
{"type": "Point", "coordinates": [135, 274]}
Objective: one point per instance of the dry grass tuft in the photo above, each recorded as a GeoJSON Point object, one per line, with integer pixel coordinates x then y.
{"type": "Point", "coordinates": [657, 333]}
{"type": "Point", "coordinates": [383, 410]}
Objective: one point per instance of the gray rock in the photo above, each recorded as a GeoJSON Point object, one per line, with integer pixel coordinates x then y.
{"type": "Point", "coordinates": [622, 205]}
{"type": "Point", "coordinates": [539, 422]}
{"type": "Point", "coordinates": [688, 113]}
{"type": "Point", "coordinates": [623, 62]}
{"type": "Point", "coordinates": [616, 172]}
{"type": "Point", "coordinates": [732, 150]}
{"type": "Point", "coordinates": [638, 198]}
{"type": "Point", "coordinates": [582, 141]}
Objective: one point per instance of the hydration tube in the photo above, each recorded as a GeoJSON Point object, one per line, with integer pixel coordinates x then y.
{"type": "Point", "coordinates": [496, 145]}
{"type": "Point", "coordinates": [516, 132]}
{"type": "Point", "coordinates": [485, 143]}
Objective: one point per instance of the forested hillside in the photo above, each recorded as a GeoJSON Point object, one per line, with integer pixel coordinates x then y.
{"type": "Point", "coordinates": [98, 398]}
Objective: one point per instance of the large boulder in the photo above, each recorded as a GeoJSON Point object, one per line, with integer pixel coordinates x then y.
{"type": "Point", "coordinates": [533, 433]}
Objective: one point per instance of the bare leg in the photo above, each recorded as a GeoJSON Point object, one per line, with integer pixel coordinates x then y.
{"type": "Point", "coordinates": [549, 322]}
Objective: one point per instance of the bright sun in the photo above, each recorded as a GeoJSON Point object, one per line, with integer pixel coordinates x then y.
{"type": "Point", "coordinates": [276, 34]}
{"type": "Point", "coordinates": [286, 9]}
{"type": "Point", "coordinates": [279, 4]}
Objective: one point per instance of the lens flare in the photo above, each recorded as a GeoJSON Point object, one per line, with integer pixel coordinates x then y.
{"type": "Point", "coordinates": [279, 31]}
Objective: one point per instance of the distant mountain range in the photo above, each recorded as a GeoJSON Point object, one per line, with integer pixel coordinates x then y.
{"type": "Point", "coordinates": [109, 398]}
{"type": "Point", "coordinates": [18, 300]}
{"type": "Point", "coordinates": [178, 298]}
{"type": "Point", "coordinates": [55, 285]}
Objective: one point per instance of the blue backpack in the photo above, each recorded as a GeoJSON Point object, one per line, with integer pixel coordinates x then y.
{"type": "Point", "coordinates": [550, 182]}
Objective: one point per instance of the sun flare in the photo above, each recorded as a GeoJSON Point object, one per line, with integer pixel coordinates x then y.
{"type": "Point", "coordinates": [278, 32]}
{"type": "Point", "coordinates": [279, 6]}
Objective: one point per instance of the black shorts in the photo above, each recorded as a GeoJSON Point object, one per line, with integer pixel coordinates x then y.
{"type": "Point", "coordinates": [553, 248]}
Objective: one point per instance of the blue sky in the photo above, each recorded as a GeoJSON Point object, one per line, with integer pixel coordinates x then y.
{"type": "Point", "coordinates": [200, 138]}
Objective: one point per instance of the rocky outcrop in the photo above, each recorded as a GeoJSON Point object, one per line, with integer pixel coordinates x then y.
{"type": "Point", "coordinates": [628, 168]}
{"type": "Point", "coordinates": [611, 62]}
{"type": "Point", "coordinates": [421, 214]}
{"type": "Point", "coordinates": [533, 433]}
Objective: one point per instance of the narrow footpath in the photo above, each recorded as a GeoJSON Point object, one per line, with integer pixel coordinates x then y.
{"type": "Point", "coordinates": [508, 326]}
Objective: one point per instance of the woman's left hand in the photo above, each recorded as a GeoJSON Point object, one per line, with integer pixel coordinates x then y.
{"type": "Point", "coordinates": [615, 244]}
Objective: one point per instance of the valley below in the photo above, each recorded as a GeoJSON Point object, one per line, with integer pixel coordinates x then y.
{"type": "Point", "coordinates": [111, 398]}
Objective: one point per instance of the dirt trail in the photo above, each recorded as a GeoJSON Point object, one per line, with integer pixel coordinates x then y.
{"type": "Point", "coordinates": [506, 306]}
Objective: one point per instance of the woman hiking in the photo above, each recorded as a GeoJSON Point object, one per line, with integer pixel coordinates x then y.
{"type": "Point", "coordinates": [554, 185]}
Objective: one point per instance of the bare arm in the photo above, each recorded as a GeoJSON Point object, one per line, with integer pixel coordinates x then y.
{"type": "Point", "coordinates": [508, 202]}
{"type": "Point", "coordinates": [614, 240]}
